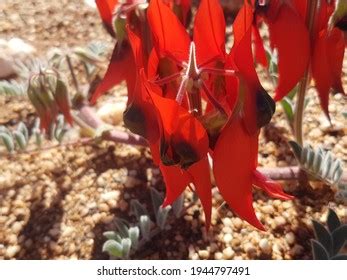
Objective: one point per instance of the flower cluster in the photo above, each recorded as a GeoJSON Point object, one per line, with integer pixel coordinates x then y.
{"type": "Point", "coordinates": [201, 107]}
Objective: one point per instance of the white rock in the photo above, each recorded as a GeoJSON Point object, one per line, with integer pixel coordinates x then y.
{"type": "Point", "coordinates": [11, 251]}
{"type": "Point", "coordinates": [110, 195]}
{"type": "Point", "coordinates": [11, 50]}
{"type": "Point", "coordinates": [90, 3]}
{"type": "Point", "coordinates": [265, 246]}
{"type": "Point", "coordinates": [290, 238]}
{"type": "Point", "coordinates": [112, 113]}
{"type": "Point", "coordinates": [228, 253]}
{"type": "Point", "coordinates": [227, 238]}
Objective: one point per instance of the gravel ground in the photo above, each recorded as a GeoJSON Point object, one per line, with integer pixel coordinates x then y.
{"type": "Point", "coordinates": [55, 204]}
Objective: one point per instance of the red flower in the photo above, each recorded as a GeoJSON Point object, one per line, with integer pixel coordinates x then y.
{"type": "Point", "coordinates": [183, 141]}
{"type": "Point", "coordinates": [323, 51]}
{"type": "Point", "coordinates": [235, 153]}
{"type": "Point", "coordinates": [289, 35]}
{"type": "Point", "coordinates": [235, 162]}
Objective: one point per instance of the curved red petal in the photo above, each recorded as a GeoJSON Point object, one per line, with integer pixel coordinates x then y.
{"type": "Point", "coordinates": [272, 188]}
{"type": "Point", "coordinates": [241, 57]}
{"type": "Point", "coordinates": [209, 32]}
{"type": "Point", "coordinates": [290, 37]}
{"type": "Point", "coordinates": [121, 67]}
{"type": "Point", "coordinates": [200, 176]}
{"type": "Point", "coordinates": [260, 53]}
{"type": "Point", "coordinates": [179, 129]}
{"type": "Point", "coordinates": [233, 159]}
{"type": "Point", "coordinates": [335, 52]}
{"type": "Point", "coordinates": [105, 8]}
{"type": "Point", "coordinates": [169, 34]}
{"type": "Point", "coordinates": [176, 181]}
{"type": "Point", "coordinates": [321, 71]}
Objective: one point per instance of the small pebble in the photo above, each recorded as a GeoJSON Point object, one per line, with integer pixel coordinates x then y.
{"type": "Point", "coordinates": [265, 246]}
{"type": "Point", "coordinates": [204, 254]}
{"type": "Point", "coordinates": [11, 251]}
{"type": "Point", "coordinates": [227, 238]}
{"type": "Point", "coordinates": [228, 253]}
{"type": "Point", "coordinates": [290, 238]}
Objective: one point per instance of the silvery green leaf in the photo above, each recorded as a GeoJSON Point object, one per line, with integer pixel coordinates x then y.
{"type": "Point", "coordinates": [111, 235]}
{"type": "Point", "coordinates": [52, 129]}
{"type": "Point", "coordinates": [20, 139]}
{"type": "Point", "coordinates": [304, 155]}
{"type": "Point", "coordinates": [60, 135]}
{"type": "Point", "coordinates": [157, 200]}
{"type": "Point", "coordinates": [309, 158]}
{"type": "Point", "coordinates": [4, 129]}
{"type": "Point", "coordinates": [38, 136]}
{"type": "Point", "coordinates": [113, 248]}
{"type": "Point", "coordinates": [134, 234]}
{"type": "Point", "coordinates": [138, 209]}
{"type": "Point", "coordinates": [327, 162]}
{"type": "Point", "coordinates": [145, 226]}
{"type": "Point", "coordinates": [337, 176]}
{"type": "Point", "coordinates": [126, 244]}
{"type": "Point", "coordinates": [317, 163]}
{"type": "Point", "coordinates": [162, 214]}
{"type": "Point", "coordinates": [87, 55]}
{"type": "Point", "coordinates": [297, 149]}
{"type": "Point", "coordinates": [24, 130]}
{"type": "Point", "coordinates": [336, 170]}
{"type": "Point", "coordinates": [178, 205]}
{"type": "Point", "coordinates": [122, 227]}
{"type": "Point", "coordinates": [8, 141]}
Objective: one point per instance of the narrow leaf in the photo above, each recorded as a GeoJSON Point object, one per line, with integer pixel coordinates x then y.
{"type": "Point", "coordinates": [323, 236]}
{"type": "Point", "coordinates": [318, 251]}
{"type": "Point", "coordinates": [333, 220]}
{"type": "Point", "coordinates": [145, 226]}
{"type": "Point", "coordinates": [138, 209]}
{"type": "Point", "coordinates": [339, 238]}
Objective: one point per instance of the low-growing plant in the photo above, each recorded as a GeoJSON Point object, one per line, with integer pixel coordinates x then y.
{"type": "Point", "coordinates": [126, 239]}
{"type": "Point", "coordinates": [329, 241]}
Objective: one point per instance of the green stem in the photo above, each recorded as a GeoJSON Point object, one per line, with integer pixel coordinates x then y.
{"type": "Point", "coordinates": [312, 6]}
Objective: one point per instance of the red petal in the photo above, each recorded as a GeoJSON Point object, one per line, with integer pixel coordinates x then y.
{"type": "Point", "coordinates": [260, 53]}
{"type": "Point", "coordinates": [169, 34]}
{"type": "Point", "coordinates": [106, 8]}
{"type": "Point", "coordinates": [200, 176]}
{"type": "Point", "coordinates": [233, 168]}
{"type": "Point", "coordinates": [209, 32]}
{"type": "Point", "coordinates": [242, 57]}
{"type": "Point", "coordinates": [178, 127]}
{"type": "Point", "coordinates": [121, 67]}
{"type": "Point", "coordinates": [176, 181]}
{"type": "Point", "coordinates": [272, 188]}
{"type": "Point", "coordinates": [335, 52]}
{"type": "Point", "coordinates": [321, 71]}
{"type": "Point", "coordinates": [292, 45]}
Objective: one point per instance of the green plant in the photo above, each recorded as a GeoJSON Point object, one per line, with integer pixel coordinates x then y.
{"type": "Point", "coordinates": [126, 239]}
{"type": "Point", "coordinates": [318, 163]}
{"type": "Point", "coordinates": [20, 138]}
{"type": "Point", "coordinates": [329, 241]}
